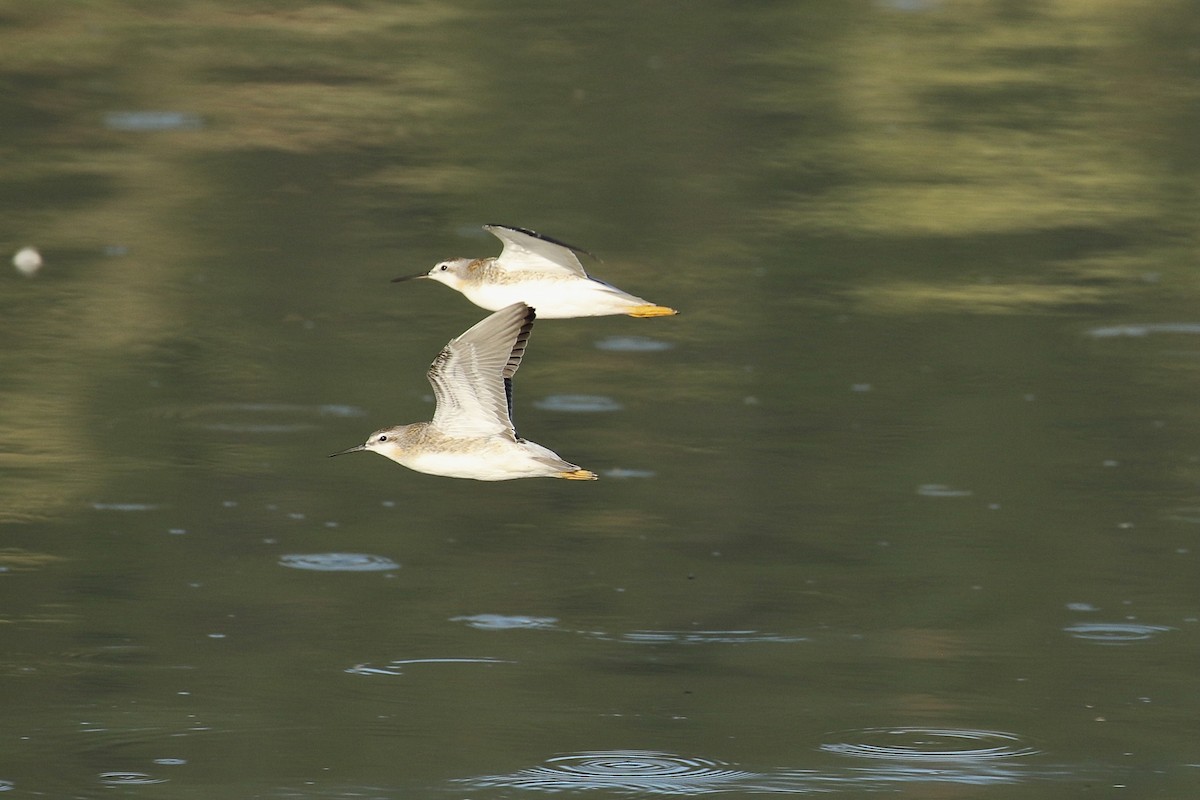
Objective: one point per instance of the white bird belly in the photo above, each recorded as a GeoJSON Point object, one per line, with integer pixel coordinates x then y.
{"type": "Point", "coordinates": [494, 461]}
{"type": "Point", "coordinates": [554, 298]}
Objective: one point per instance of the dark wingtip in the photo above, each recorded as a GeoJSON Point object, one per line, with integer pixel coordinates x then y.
{"type": "Point", "coordinates": [543, 237]}
{"type": "Point", "coordinates": [518, 350]}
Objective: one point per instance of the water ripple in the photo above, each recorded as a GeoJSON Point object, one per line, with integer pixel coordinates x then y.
{"type": "Point", "coordinates": [1113, 331]}
{"type": "Point", "coordinates": [504, 622]}
{"type": "Point", "coordinates": [397, 667]}
{"type": "Point", "coordinates": [338, 562]}
{"type": "Point", "coordinates": [941, 490]}
{"type": "Point", "coordinates": [124, 506]}
{"type": "Point", "coordinates": [622, 472]}
{"type": "Point", "coordinates": [578, 403]}
{"type": "Point", "coordinates": [624, 770]}
{"type": "Point", "coordinates": [657, 773]}
{"type": "Point", "coordinates": [152, 121]}
{"type": "Point", "coordinates": [633, 344]}
{"type": "Point", "coordinates": [128, 779]}
{"type": "Point", "coordinates": [1115, 632]}
{"type": "Point", "coordinates": [707, 637]}
{"type": "Point", "coordinates": [1187, 514]}
{"type": "Point", "coordinates": [929, 744]}
{"type": "Point", "coordinates": [958, 757]}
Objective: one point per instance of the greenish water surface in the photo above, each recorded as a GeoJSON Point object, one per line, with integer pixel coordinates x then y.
{"type": "Point", "coordinates": [904, 500]}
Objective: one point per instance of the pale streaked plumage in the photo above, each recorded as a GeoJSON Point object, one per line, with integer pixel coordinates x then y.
{"type": "Point", "coordinates": [471, 434]}
{"type": "Point", "coordinates": [541, 272]}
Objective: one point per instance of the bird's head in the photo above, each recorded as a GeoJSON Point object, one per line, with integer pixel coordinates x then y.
{"type": "Point", "coordinates": [385, 441]}
{"type": "Point", "coordinates": [451, 272]}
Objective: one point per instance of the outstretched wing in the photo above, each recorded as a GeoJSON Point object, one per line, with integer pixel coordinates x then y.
{"type": "Point", "coordinates": [525, 250]}
{"type": "Point", "coordinates": [472, 376]}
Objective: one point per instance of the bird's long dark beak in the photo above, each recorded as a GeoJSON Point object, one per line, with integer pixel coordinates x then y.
{"type": "Point", "coordinates": [354, 449]}
{"type": "Point", "coordinates": [410, 277]}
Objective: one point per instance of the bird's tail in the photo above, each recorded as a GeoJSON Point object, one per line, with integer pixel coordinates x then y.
{"type": "Point", "coordinates": [578, 475]}
{"type": "Point", "coordinates": [651, 311]}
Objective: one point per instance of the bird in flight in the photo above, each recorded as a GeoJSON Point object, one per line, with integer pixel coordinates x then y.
{"type": "Point", "coordinates": [541, 272]}
{"type": "Point", "coordinates": [471, 434]}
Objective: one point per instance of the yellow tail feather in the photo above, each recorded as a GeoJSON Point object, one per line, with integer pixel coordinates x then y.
{"type": "Point", "coordinates": [651, 311]}
{"type": "Point", "coordinates": [579, 475]}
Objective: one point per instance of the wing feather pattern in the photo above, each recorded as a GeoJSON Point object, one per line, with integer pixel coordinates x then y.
{"type": "Point", "coordinates": [472, 376]}
{"type": "Point", "coordinates": [527, 251]}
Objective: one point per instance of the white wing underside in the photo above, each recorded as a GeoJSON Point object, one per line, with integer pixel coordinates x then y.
{"type": "Point", "coordinates": [525, 252]}
{"type": "Point", "coordinates": [469, 376]}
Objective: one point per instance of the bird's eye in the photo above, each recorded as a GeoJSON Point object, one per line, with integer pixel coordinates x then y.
{"type": "Point", "coordinates": [444, 267]}
{"type": "Point", "coordinates": [382, 438]}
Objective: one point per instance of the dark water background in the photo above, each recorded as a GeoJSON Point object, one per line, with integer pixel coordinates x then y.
{"type": "Point", "coordinates": [906, 499]}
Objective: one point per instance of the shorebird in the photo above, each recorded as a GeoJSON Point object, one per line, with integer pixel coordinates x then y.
{"type": "Point", "coordinates": [471, 434]}
{"type": "Point", "coordinates": [538, 271]}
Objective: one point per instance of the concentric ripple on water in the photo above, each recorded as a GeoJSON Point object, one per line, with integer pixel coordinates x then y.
{"type": "Point", "coordinates": [929, 744]}
{"type": "Point", "coordinates": [338, 562]}
{"type": "Point", "coordinates": [640, 771]}
{"type": "Point", "coordinates": [1115, 632]}
{"type": "Point", "coordinates": [128, 779]}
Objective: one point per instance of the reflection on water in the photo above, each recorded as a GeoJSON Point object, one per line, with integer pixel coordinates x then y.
{"type": "Point", "coordinates": [17, 559]}
{"type": "Point", "coordinates": [652, 772]}
{"type": "Point", "coordinates": [1115, 632]}
{"type": "Point", "coordinates": [1189, 514]}
{"type": "Point", "coordinates": [623, 771]}
{"type": "Point", "coordinates": [893, 225]}
{"type": "Point", "coordinates": [503, 622]}
{"type": "Point", "coordinates": [1115, 331]}
{"type": "Point", "coordinates": [338, 562]}
{"type": "Point", "coordinates": [928, 744]}
{"type": "Point", "coordinates": [112, 658]}
{"type": "Point", "coordinates": [705, 637]}
{"type": "Point", "coordinates": [150, 121]}
{"type": "Point", "coordinates": [625, 472]}
{"type": "Point", "coordinates": [633, 344]}
{"type": "Point", "coordinates": [125, 506]}
{"type": "Point", "coordinates": [578, 403]}
{"type": "Point", "coordinates": [397, 667]}
{"type": "Point", "coordinates": [941, 490]}
{"type": "Point", "coordinates": [128, 779]}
